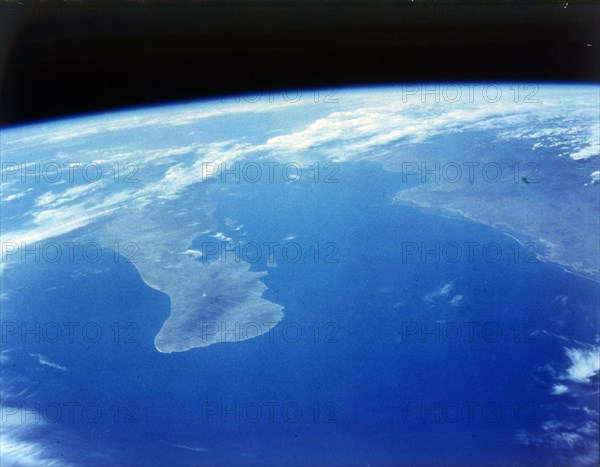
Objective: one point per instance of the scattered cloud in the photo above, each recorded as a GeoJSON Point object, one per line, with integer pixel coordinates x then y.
{"type": "Point", "coordinates": [585, 364]}
{"type": "Point", "coordinates": [456, 300]}
{"type": "Point", "coordinates": [442, 292]}
{"type": "Point", "coordinates": [595, 176]}
{"type": "Point", "coordinates": [559, 389]}
{"type": "Point", "coordinates": [573, 443]}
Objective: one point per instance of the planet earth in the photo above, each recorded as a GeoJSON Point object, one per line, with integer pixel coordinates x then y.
{"type": "Point", "coordinates": [394, 275]}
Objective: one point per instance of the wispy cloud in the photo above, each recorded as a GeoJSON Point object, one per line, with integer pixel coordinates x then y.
{"type": "Point", "coordinates": [42, 360]}
{"type": "Point", "coordinates": [18, 195]}
{"type": "Point", "coordinates": [19, 429]}
{"type": "Point", "coordinates": [355, 130]}
{"type": "Point", "coordinates": [443, 291]}
{"type": "Point", "coordinates": [572, 443]}
{"type": "Point", "coordinates": [190, 448]}
{"type": "Point", "coordinates": [17, 452]}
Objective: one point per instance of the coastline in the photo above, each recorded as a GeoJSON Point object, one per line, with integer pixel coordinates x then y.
{"type": "Point", "coordinates": [505, 229]}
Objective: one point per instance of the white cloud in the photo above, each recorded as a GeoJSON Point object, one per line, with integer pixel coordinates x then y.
{"type": "Point", "coordinates": [4, 359]}
{"type": "Point", "coordinates": [175, 115]}
{"type": "Point", "coordinates": [42, 360]}
{"type": "Point", "coordinates": [16, 452]}
{"type": "Point", "coordinates": [221, 236]}
{"type": "Point", "coordinates": [584, 364]}
{"type": "Point", "coordinates": [190, 448]}
{"type": "Point", "coordinates": [591, 146]}
{"type": "Point", "coordinates": [49, 223]}
{"type": "Point", "coordinates": [366, 121]}
{"type": "Point", "coordinates": [595, 178]}
{"type": "Point", "coordinates": [194, 253]}
{"type": "Point", "coordinates": [50, 199]}
{"type": "Point", "coordinates": [572, 443]}
{"type": "Point", "coordinates": [16, 195]}
{"type": "Point", "coordinates": [441, 291]}
{"type": "Point", "coordinates": [18, 427]}
{"type": "Point", "coordinates": [559, 389]}
{"type": "Point", "coordinates": [455, 301]}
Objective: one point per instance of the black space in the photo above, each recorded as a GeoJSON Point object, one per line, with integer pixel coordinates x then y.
{"type": "Point", "coordinates": [63, 58]}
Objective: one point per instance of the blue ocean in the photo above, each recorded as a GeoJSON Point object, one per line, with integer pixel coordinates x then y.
{"type": "Point", "coordinates": [408, 338]}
